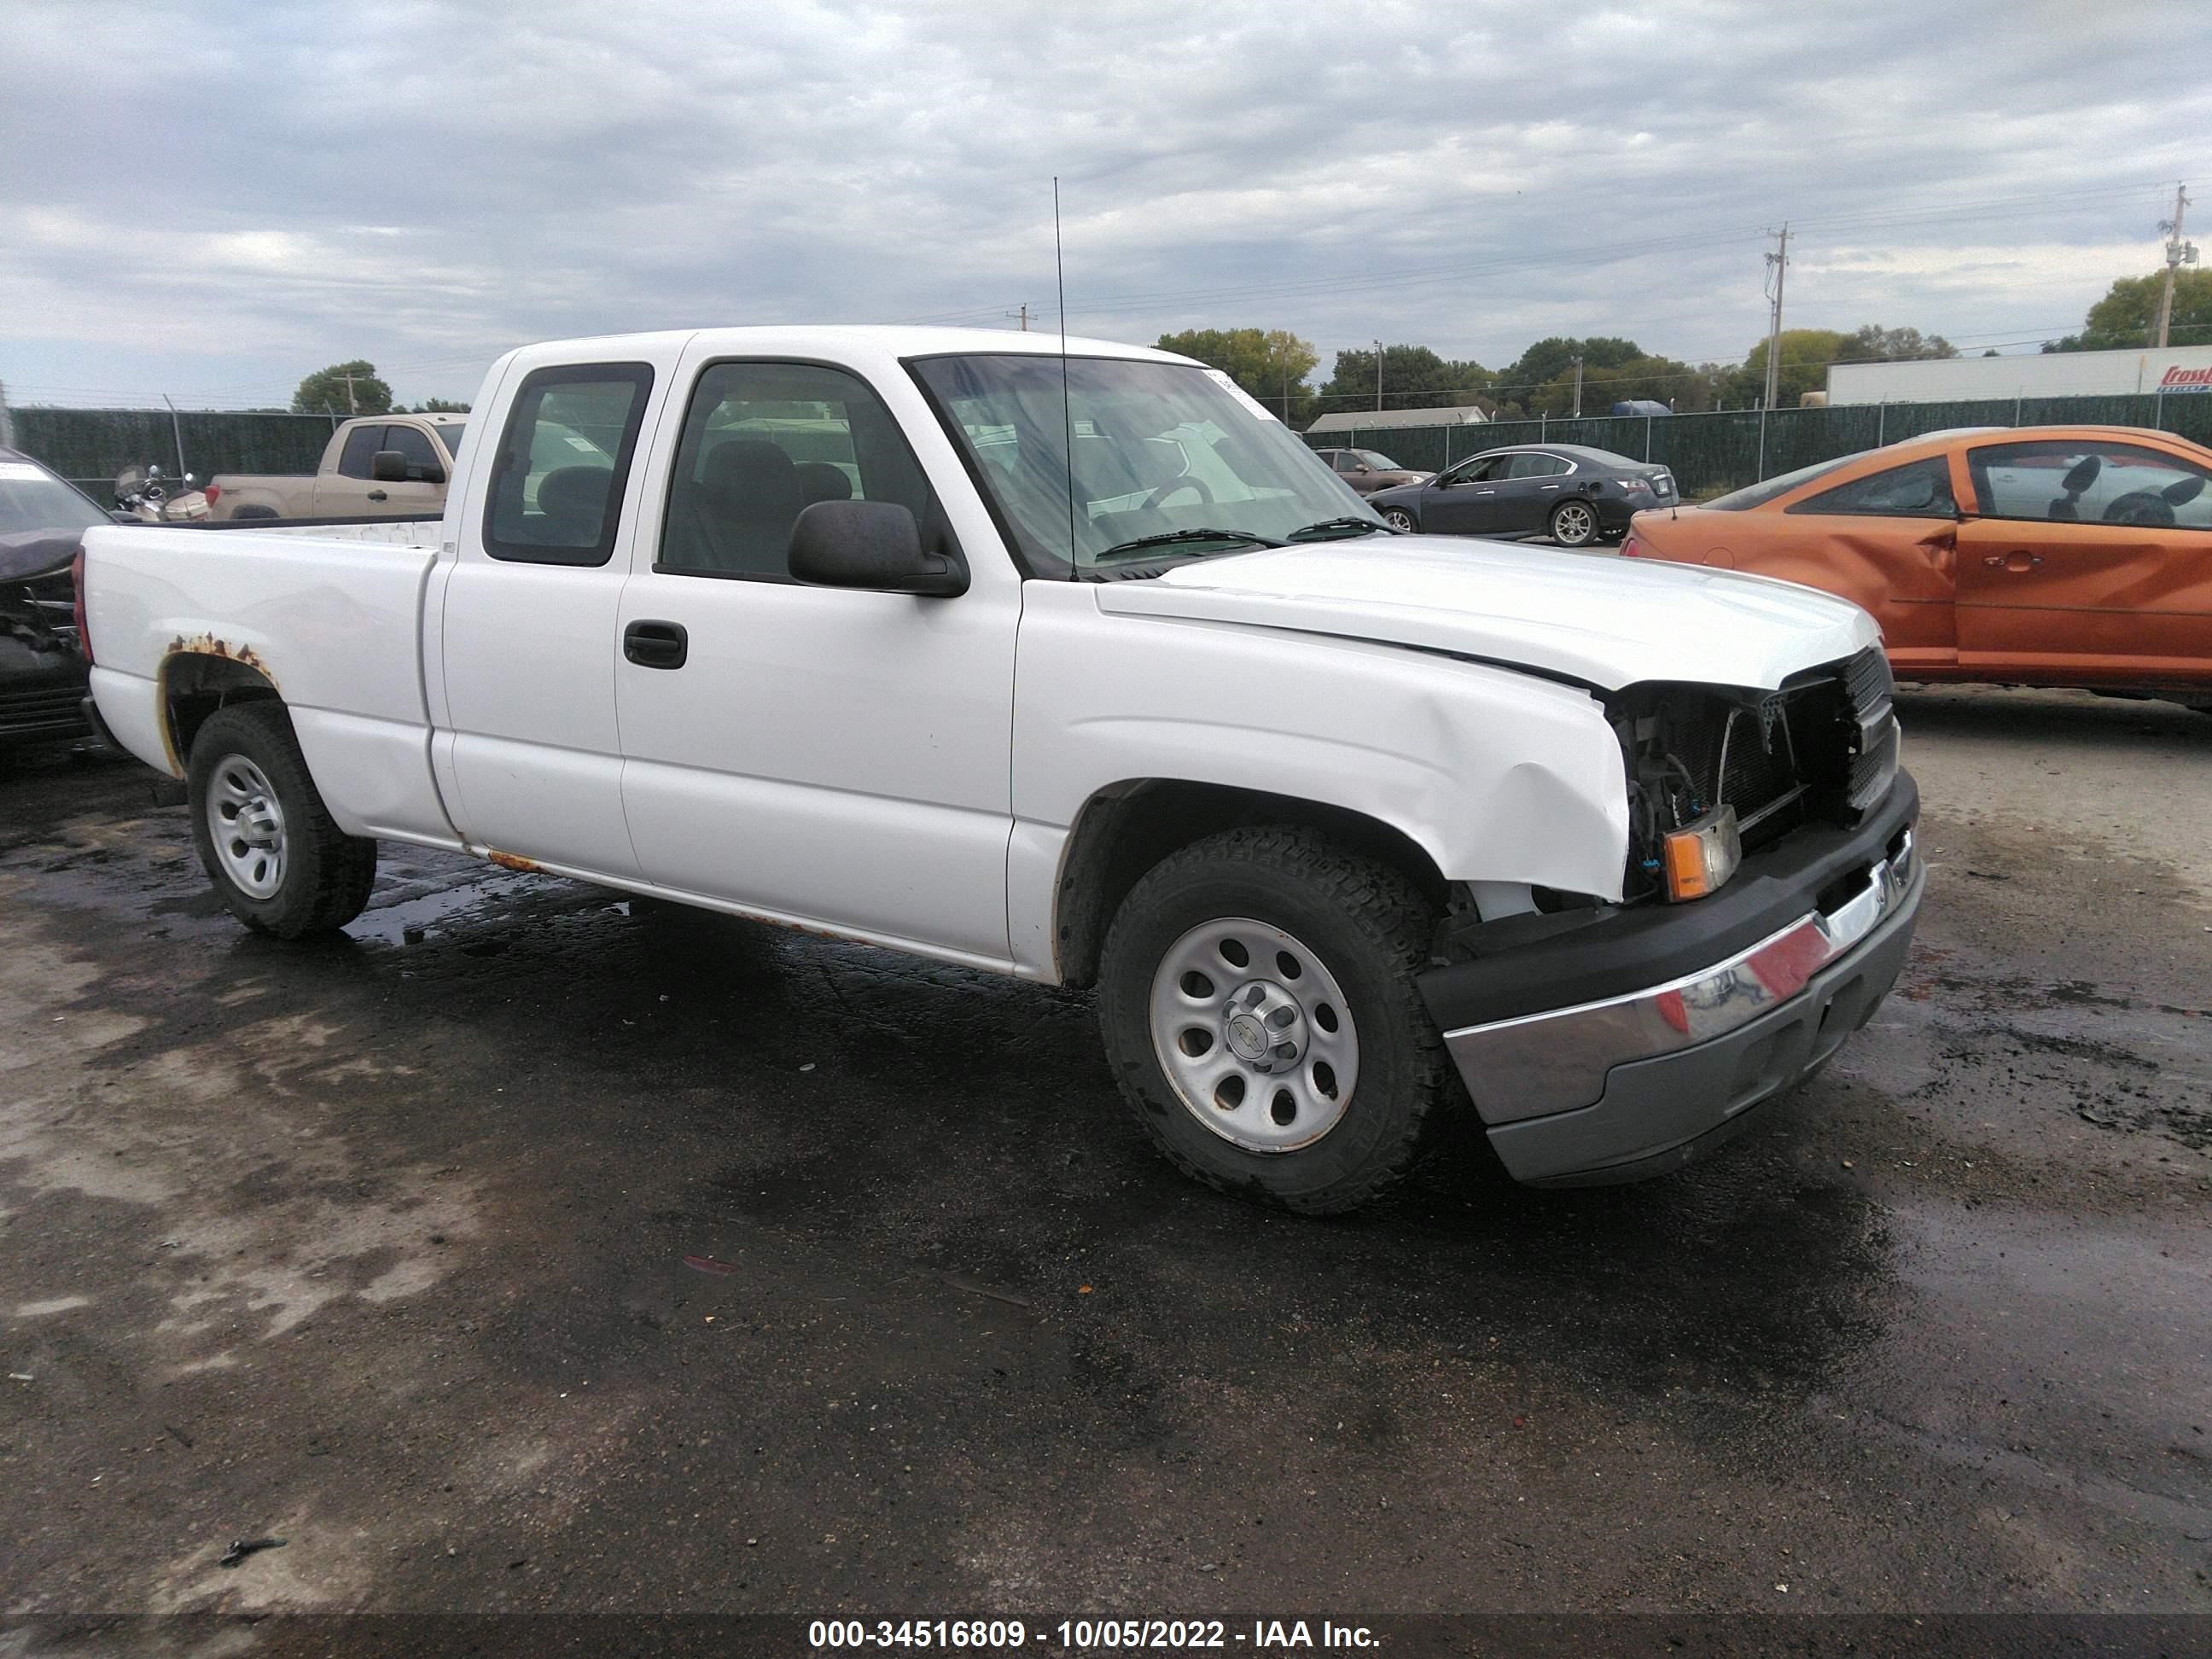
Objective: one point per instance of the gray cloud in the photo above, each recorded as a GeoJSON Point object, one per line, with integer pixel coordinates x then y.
{"type": "Point", "coordinates": [221, 198]}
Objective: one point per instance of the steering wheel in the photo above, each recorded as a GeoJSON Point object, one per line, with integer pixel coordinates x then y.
{"type": "Point", "coordinates": [2142, 506]}
{"type": "Point", "coordinates": [1189, 481]}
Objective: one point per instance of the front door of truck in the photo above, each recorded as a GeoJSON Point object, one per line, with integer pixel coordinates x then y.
{"type": "Point", "coordinates": [2088, 562]}
{"type": "Point", "coordinates": [831, 757]}
{"type": "Point", "coordinates": [528, 753]}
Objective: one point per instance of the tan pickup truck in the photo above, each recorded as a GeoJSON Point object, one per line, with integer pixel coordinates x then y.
{"type": "Point", "coordinates": [390, 467]}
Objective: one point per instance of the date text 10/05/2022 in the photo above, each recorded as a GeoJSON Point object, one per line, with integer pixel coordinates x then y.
{"type": "Point", "coordinates": [1084, 1635]}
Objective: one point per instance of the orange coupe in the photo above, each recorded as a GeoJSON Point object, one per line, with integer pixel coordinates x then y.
{"type": "Point", "coordinates": [2070, 555]}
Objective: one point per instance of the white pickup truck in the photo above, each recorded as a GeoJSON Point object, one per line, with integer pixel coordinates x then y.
{"type": "Point", "coordinates": [1080, 669]}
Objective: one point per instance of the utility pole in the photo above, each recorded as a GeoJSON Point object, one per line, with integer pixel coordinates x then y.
{"type": "Point", "coordinates": [1578, 385]}
{"type": "Point", "coordinates": [1378, 377]}
{"type": "Point", "coordinates": [2178, 254]}
{"type": "Point", "coordinates": [1777, 264]}
{"type": "Point", "coordinates": [1024, 314]}
{"type": "Point", "coordinates": [7, 430]}
{"type": "Point", "coordinates": [352, 406]}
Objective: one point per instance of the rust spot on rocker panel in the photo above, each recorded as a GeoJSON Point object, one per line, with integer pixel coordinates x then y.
{"type": "Point", "coordinates": [510, 861]}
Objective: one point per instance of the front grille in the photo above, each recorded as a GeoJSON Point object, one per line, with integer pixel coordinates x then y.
{"type": "Point", "coordinates": [1874, 748]}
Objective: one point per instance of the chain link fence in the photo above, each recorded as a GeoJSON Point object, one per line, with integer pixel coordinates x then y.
{"type": "Point", "coordinates": [1710, 454]}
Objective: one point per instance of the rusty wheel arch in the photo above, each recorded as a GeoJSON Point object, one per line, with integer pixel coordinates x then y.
{"type": "Point", "coordinates": [200, 674]}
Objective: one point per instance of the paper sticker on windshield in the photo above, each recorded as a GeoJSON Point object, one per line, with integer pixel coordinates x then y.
{"type": "Point", "coordinates": [19, 472]}
{"type": "Point", "coordinates": [1238, 392]}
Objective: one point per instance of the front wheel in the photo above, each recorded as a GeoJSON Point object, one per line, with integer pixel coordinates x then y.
{"type": "Point", "coordinates": [1574, 523]}
{"type": "Point", "coordinates": [1398, 519]}
{"type": "Point", "coordinates": [281, 864]}
{"type": "Point", "coordinates": [1257, 1000]}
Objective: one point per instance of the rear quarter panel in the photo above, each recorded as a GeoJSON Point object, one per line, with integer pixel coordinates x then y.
{"type": "Point", "coordinates": [332, 622]}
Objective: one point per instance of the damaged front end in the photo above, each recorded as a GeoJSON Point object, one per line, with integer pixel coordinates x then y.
{"type": "Point", "coordinates": [1821, 749]}
{"type": "Point", "coordinates": [43, 674]}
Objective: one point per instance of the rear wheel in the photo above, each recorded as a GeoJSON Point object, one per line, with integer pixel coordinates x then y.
{"type": "Point", "coordinates": [1398, 519]}
{"type": "Point", "coordinates": [1574, 523]}
{"type": "Point", "coordinates": [1257, 1001]}
{"type": "Point", "coordinates": [268, 842]}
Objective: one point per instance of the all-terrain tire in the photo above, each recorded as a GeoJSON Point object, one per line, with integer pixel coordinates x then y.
{"type": "Point", "coordinates": [322, 880]}
{"type": "Point", "coordinates": [1370, 929]}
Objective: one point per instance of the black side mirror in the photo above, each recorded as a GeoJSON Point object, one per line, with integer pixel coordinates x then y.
{"type": "Point", "coordinates": [426, 472]}
{"type": "Point", "coordinates": [871, 545]}
{"type": "Point", "coordinates": [388, 466]}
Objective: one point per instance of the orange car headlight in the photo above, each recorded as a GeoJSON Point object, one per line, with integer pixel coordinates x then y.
{"type": "Point", "coordinates": [1702, 855]}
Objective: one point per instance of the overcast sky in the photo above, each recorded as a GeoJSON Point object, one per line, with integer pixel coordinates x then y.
{"type": "Point", "coordinates": [213, 200]}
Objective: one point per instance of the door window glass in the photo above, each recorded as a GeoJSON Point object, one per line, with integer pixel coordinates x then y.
{"type": "Point", "coordinates": [762, 442]}
{"type": "Point", "coordinates": [424, 463]}
{"type": "Point", "coordinates": [1538, 466]}
{"type": "Point", "coordinates": [1343, 459]}
{"type": "Point", "coordinates": [1918, 489]}
{"type": "Point", "coordinates": [361, 447]}
{"type": "Point", "coordinates": [2091, 481]}
{"type": "Point", "coordinates": [1480, 470]}
{"type": "Point", "coordinates": [558, 475]}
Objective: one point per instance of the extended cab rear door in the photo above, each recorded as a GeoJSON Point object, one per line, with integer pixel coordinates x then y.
{"type": "Point", "coordinates": [529, 753]}
{"type": "Point", "coordinates": [833, 757]}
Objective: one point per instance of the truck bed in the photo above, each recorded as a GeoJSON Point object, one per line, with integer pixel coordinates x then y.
{"type": "Point", "coordinates": [330, 617]}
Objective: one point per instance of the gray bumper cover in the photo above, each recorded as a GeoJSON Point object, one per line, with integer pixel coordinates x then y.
{"type": "Point", "coordinates": [1663, 1095]}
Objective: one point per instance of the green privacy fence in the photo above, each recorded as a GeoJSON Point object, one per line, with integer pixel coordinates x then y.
{"type": "Point", "coordinates": [1710, 453]}
{"type": "Point", "coordinates": [89, 446]}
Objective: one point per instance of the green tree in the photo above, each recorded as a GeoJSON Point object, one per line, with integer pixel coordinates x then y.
{"type": "Point", "coordinates": [327, 390]}
{"type": "Point", "coordinates": [2127, 316]}
{"type": "Point", "coordinates": [1526, 385]}
{"type": "Point", "coordinates": [1414, 377]}
{"type": "Point", "coordinates": [1875, 344]}
{"type": "Point", "coordinates": [1806, 355]}
{"type": "Point", "coordinates": [439, 406]}
{"type": "Point", "coordinates": [1660, 380]}
{"type": "Point", "coordinates": [1272, 364]}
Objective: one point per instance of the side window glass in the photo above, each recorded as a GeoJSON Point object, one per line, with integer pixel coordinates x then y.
{"type": "Point", "coordinates": [761, 442]}
{"type": "Point", "coordinates": [1537, 467]}
{"type": "Point", "coordinates": [2076, 481]}
{"type": "Point", "coordinates": [423, 460]}
{"type": "Point", "coordinates": [1344, 460]}
{"type": "Point", "coordinates": [1920, 489]}
{"type": "Point", "coordinates": [558, 475]}
{"type": "Point", "coordinates": [360, 445]}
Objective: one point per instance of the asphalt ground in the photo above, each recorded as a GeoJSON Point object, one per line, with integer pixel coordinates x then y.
{"type": "Point", "coordinates": [532, 1249]}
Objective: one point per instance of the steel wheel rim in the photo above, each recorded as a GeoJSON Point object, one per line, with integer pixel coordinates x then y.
{"type": "Point", "coordinates": [1573, 524]}
{"type": "Point", "coordinates": [246, 826]}
{"type": "Point", "coordinates": [1262, 1052]}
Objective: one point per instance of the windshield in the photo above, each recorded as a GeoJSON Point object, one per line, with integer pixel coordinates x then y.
{"type": "Point", "coordinates": [1758, 494]}
{"type": "Point", "coordinates": [31, 498]}
{"type": "Point", "coordinates": [1159, 448]}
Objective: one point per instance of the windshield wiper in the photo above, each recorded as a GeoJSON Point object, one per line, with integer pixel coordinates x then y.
{"type": "Point", "coordinates": [1168, 539]}
{"type": "Point", "coordinates": [1330, 530]}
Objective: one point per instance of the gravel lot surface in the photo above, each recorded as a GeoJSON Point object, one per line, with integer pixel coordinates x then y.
{"type": "Point", "coordinates": [535, 1248]}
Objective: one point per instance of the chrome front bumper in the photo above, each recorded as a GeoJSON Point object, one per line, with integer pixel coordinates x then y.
{"type": "Point", "coordinates": [1558, 1060]}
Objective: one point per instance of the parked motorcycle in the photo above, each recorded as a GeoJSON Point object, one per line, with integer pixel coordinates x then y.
{"type": "Point", "coordinates": [145, 494]}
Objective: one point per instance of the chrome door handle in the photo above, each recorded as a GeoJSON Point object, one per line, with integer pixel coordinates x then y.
{"type": "Point", "coordinates": [1551, 486]}
{"type": "Point", "coordinates": [1485, 492]}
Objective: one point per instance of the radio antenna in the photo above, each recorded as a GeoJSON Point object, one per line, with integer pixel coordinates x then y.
{"type": "Point", "coordinates": [1066, 412]}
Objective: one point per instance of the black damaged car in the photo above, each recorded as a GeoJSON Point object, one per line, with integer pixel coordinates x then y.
{"type": "Point", "coordinates": [1573, 494]}
{"type": "Point", "coordinates": [43, 674]}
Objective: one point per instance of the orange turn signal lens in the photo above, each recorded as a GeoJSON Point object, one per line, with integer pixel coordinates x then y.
{"type": "Point", "coordinates": [1700, 857]}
